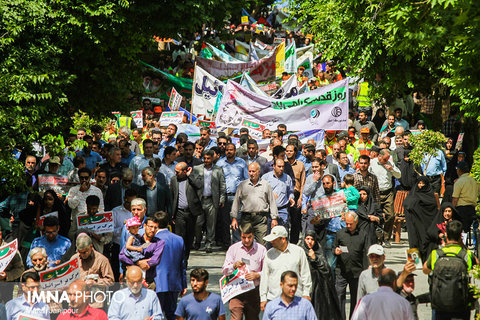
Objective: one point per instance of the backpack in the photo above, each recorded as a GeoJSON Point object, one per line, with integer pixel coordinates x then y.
{"type": "Point", "coordinates": [449, 287]}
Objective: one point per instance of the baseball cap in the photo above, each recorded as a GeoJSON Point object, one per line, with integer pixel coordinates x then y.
{"type": "Point", "coordinates": [331, 131]}
{"type": "Point", "coordinates": [376, 249]}
{"type": "Point", "coordinates": [277, 232]}
{"type": "Point", "coordinates": [54, 160]}
{"type": "Point", "coordinates": [462, 165]}
{"type": "Point", "coordinates": [365, 130]}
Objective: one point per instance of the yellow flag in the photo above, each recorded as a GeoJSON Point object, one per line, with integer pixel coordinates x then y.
{"type": "Point", "coordinates": [244, 19]}
{"type": "Point", "coordinates": [280, 60]}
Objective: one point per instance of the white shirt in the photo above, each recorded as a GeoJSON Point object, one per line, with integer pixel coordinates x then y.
{"type": "Point", "coordinates": [77, 200]}
{"type": "Point", "coordinates": [381, 305]}
{"type": "Point", "coordinates": [120, 214]}
{"type": "Point", "coordinates": [275, 263]}
{"type": "Point", "coordinates": [383, 175]}
{"type": "Point", "coordinates": [207, 182]}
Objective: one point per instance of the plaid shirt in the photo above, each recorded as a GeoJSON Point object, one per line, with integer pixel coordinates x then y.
{"type": "Point", "coordinates": [427, 105]}
{"type": "Point", "coordinates": [14, 204]}
{"type": "Point", "coordinates": [370, 181]}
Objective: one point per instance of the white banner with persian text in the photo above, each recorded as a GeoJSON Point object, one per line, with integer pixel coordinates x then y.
{"type": "Point", "coordinates": [323, 108]}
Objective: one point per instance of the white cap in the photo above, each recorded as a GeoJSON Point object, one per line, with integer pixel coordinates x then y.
{"type": "Point", "coordinates": [376, 249]}
{"type": "Point", "coordinates": [277, 232]}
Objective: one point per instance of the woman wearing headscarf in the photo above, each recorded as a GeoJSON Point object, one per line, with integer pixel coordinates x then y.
{"type": "Point", "coordinates": [51, 203]}
{"type": "Point", "coordinates": [324, 296]}
{"type": "Point", "coordinates": [452, 157]}
{"type": "Point", "coordinates": [437, 230]}
{"type": "Point", "coordinates": [369, 215]}
{"type": "Point", "coordinates": [379, 119]}
{"type": "Point", "coordinates": [420, 210]}
{"type": "Point", "coordinates": [406, 183]}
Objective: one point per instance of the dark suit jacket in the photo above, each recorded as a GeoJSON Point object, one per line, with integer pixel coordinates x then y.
{"type": "Point", "coordinates": [260, 160]}
{"type": "Point", "coordinates": [164, 200]}
{"type": "Point", "coordinates": [217, 186]}
{"type": "Point", "coordinates": [171, 272]}
{"type": "Point", "coordinates": [113, 198]}
{"type": "Point", "coordinates": [194, 202]}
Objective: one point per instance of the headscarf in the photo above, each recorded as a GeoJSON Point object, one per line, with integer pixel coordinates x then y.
{"type": "Point", "coordinates": [368, 207]}
{"type": "Point", "coordinates": [377, 120]}
{"type": "Point", "coordinates": [421, 201]}
{"type": "Point", "coordinates": [409, 176]}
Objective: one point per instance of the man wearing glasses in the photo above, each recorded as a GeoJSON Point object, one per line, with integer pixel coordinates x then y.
{"type": "Point", "coordinates": [22, 305]}
{"type": "Point", "coordinates": [77, 198]}
{"type": "Point", "coordinates": [55, 245]}
{"type": "Point", "coordinates": [116, 192]}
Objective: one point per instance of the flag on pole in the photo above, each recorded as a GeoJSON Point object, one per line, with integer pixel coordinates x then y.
{"type": "Point", "coordinates": [290, 58]}
{"type": "Point", "coordinates": [175, 100]}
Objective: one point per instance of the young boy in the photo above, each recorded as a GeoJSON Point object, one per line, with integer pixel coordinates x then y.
{"type": "Point", "coordinates": [351, 193]}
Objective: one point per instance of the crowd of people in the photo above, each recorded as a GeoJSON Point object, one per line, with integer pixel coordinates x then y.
{"type": "Point", "coordinates": [169, 196]}
{"type": "Point", "coordinates": [171, 193]}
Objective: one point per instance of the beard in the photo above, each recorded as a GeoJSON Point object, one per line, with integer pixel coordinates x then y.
{"type": "Point", "coordinates": [40, 268]}
{"type": "Point", "coordinates": [136, 290]}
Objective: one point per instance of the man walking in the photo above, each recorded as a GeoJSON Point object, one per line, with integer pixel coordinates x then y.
{"type": "Point", "coordinates": [251, 254]}
{"type": "Point", "coordinates": [385, 171]}
{"type": "Point", "coordinates": [186, 204]}
{"type": "Point", "coordinates": [282, 187]}
{"type": "Point", "coordinates": [170, 281]}
{"type": "Point", "coordinates": [255, 197]}
{"type": "Point", "coordinates": [385, 303]}
{"type": "Point", "coordinates": [212, 193]}
{"type": "Point", "coordinates": [351, 250]}
{"type": "Point", "coordinates": [289, 306]}
{"type": "Point", "coordinates": [235, 170]}
{"type": "Point", "coordinates": [284, 256]}
{"type": "Point", "coordinates": [200, 304]}
{"type": "Point", "coordinates": [465, 194]}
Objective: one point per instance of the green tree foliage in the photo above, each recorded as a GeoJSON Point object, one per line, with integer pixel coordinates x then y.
{"type": "Point", "coordinates": [426, 145]}
{"type": "Point", "coordinates": [57, 57]}
{"type": "Point", "coordinates": [431, 44]}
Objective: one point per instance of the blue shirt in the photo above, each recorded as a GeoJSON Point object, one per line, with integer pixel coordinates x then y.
{"type": "Point", "coordinates": [282, 187]}
{"type": "Point", "coordinates": [167, 172]}
{"type": "Point", "coordinates": [125, 306]}
{"type": "Point", "coordinates": [137, 164]}
{"type": "Point", "coordinates": [128, 159]}
{"type": "Point", "coordinates": [210, 144]}
{"type": "Point", "coordinates": [342, 172]}
{"type": "Point", "coordinates": [298, 309]}
{"type": "Point", "coordinates": [234, 172]}
{"type": "Point", "coordinates": [20, 305]}
{"type": "Point", "coordinates": [90, 160]}
{"type": "Point", "coordinates": [436, 166]}
{"type": "Point", "coordinates": [209, 309]}
{"type": "Point", "coordinates": [55, 249]}
{"type": "Point", "coordinates": [336, 224]}
{"type": "Point", "coordinates": [170, 143]}
{"type": "Point", "coordinates": [300, 157]}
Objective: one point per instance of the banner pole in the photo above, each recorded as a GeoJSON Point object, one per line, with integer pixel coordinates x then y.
{"type": "Point", "coordinates": [193, 91]}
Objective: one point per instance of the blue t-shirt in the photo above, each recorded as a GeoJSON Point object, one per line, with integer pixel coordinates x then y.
{"type": "Point", "coordinates": [208, 309]}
